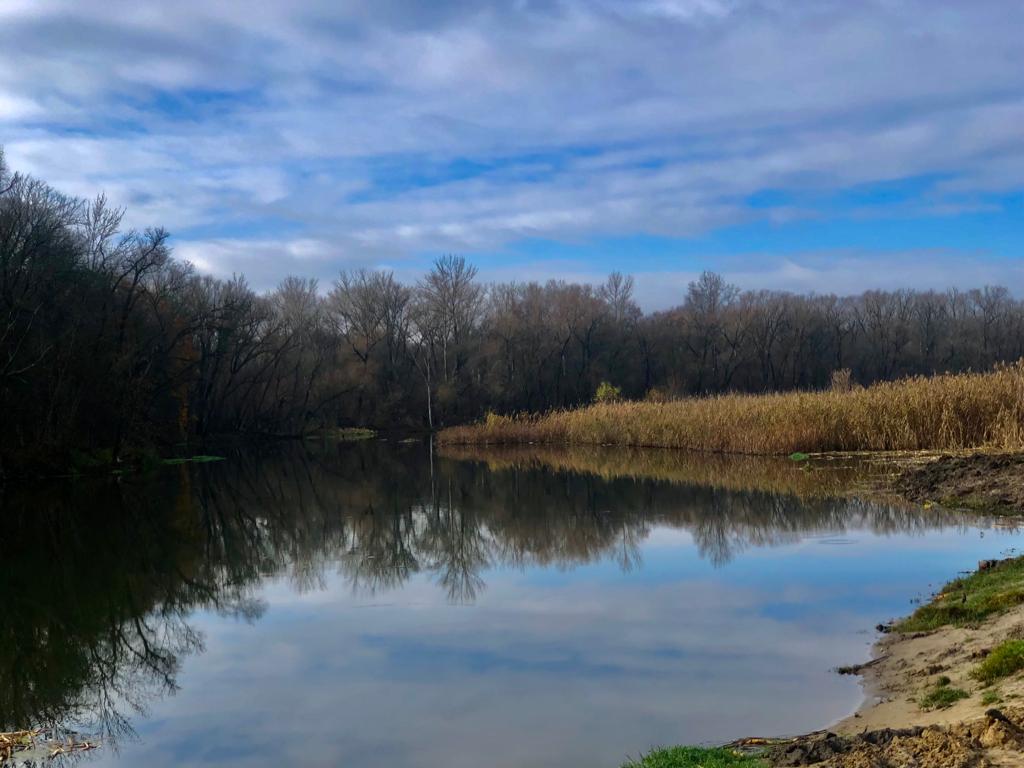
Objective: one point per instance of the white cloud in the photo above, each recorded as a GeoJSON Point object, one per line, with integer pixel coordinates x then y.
{"type": "Point", "coordinates": [389, 128]}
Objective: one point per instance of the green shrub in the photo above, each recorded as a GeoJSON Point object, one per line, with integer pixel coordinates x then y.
{"type": "Point", "coordinates": [607, 393]}
{"type": "Point", "coordinates": [942, 696]}
{"type": "Point", "coordinates": [1003, 661]}
{"type": "Point", "coordinates": [991, 697]}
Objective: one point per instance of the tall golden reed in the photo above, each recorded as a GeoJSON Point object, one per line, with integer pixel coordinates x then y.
{"type": "Point", "coordinates": [946, 412]}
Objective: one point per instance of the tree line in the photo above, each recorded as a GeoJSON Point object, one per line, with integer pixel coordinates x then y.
{"type": "Point", "coordinates": [108, 342]}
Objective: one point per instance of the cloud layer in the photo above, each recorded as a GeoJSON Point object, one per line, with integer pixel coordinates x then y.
{"type": "Point", "coordinates": [364, 133]}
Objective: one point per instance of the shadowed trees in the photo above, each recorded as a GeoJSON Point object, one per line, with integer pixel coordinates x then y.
{"type": "Point", "coordinates": [109, 345]}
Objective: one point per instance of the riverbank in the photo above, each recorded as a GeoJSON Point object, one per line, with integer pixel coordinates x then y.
{"type": "Point", "coordinates": [932, 677]}
{"type": "Point", "coordinates": [945, 687]}
{"type": "Point", "coordinates": [991, 483]}
{"type": "Point", "coordinates": [949, 695]}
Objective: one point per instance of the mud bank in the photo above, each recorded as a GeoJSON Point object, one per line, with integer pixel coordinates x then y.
{"type": "Point", "coordinates": [987, 482]}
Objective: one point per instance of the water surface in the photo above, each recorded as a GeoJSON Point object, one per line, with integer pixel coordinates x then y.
{"type": "Point", "coordinates": [376, 604]}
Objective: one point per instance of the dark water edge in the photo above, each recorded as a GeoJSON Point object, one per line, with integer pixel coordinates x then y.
{"type": "Point", "coordinates": [423, 599]}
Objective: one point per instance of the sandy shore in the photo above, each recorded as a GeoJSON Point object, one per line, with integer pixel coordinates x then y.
{"type": "Point", "coordinates": [892, 730]}
{"type": "Point", "coordinates": [904, 667]}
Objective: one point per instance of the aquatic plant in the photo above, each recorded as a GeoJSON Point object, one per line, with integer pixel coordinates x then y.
{"type": "Point", "coordinates": [201, 459]}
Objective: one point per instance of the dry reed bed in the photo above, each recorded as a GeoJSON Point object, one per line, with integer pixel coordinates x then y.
{"type": "Point", "coordinates": [937, 413]}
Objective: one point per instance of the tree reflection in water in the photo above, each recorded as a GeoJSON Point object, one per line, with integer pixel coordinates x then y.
{"type": "Point", "coordinates": [100, 577]}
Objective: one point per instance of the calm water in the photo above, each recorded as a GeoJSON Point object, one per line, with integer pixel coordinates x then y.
{"type": "Point", "coordinates": [375, 604]}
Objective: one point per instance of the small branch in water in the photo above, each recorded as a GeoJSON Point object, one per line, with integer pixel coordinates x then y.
{"type": "Point", "coordinates": [856, 669]}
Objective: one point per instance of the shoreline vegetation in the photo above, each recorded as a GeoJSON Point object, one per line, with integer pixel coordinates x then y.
{"type": "Point", "coordinates": [947, 412]}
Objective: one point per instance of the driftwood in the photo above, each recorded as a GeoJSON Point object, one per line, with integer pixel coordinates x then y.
{"type": "Point", "coordinates": [856, 669]}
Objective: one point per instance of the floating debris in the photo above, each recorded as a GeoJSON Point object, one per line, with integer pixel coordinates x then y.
{"type": "Point", "coordinates": [42, 744]}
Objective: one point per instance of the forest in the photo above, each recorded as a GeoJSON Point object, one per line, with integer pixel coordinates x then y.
{"type": "Point", "coordinates": [109, 346]}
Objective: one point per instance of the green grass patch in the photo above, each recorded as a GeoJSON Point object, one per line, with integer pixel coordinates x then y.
{"type": "Point", "coordinates": [192, 460]}
{"type": "Point", "coordinates": [991, 697]}
{"type": "Point", "coordinates": [942, 696]}
{"type": "Point", "coordinates": [1004, 660]}
{"type": "Point", "coordinates": [978, 504]}
{"type": "Point", "coordinates": [695, 757]}
{"type": "Point", "coordinates": [971, 599]}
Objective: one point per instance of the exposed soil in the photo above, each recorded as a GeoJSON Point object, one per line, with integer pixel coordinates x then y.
{"type": "Point", "coordinates": [982, 481]}
{"type": "Point", "coordinates": [994, 740]}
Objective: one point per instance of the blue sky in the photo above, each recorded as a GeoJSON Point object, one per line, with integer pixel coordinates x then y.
{"type": "Point", "coordinates": [816, 145]}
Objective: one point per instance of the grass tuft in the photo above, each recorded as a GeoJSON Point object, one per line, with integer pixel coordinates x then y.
{"type": "Point", "coordinates": [988, 698]}
{"type": "Point", "coordinates": [946, 412]}
{"type": "Point", "coordinates": [695, 757]}
{"type": "Point", "coordinates": [942, 695]}
{"type": "Point", "coordinates": [970, 600]}
{"type": "Point", "coordinates": [1005, 659]}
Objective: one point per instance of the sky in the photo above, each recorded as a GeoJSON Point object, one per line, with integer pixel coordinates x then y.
{"type": "Point", "coordinates": [803, 145]}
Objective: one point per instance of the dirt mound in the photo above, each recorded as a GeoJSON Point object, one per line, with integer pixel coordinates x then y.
{"type": "Point", "coordinates": [988, 482]}
{"type": "Point", "coordinates": [995, 740]}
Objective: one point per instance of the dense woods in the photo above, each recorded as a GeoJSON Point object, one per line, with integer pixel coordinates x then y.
{"type": "Point", "coordinates": [109, 344]}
